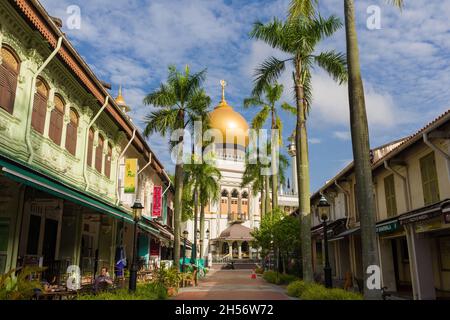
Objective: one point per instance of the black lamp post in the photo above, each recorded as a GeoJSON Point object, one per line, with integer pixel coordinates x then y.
{"type": "Point", "coordinates": [324, 211]}
{"type": "Point", "coordinates": [207, 238]}
{"type": "Point", "coordinates": [185, 235]}
{"type": "Point", "coordinates": [137, 212]}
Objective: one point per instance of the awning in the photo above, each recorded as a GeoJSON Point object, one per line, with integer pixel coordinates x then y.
{"type": "Point", "coordinates": [424, 213]}
{"type": "Point", "coordinates": [346, 233]}
{"type": "Point", "coordinates": [36, 180]}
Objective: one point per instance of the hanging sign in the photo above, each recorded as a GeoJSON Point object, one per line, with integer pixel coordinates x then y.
{"type": "Point", "coordinates": [157, 201]}
{"type": "Point", "coordinates": [130, 175]}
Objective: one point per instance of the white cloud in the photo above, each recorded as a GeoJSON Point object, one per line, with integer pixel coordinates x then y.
{"type": "Point", "coordinates": [342, 135]}
{"type": "Point", "coordinates": [314, 140]}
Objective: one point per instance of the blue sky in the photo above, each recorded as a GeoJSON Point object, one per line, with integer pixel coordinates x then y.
{"type": "Point", "coordinates": [405, 64]}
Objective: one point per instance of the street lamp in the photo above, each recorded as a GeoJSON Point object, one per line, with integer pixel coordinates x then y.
{"type": "Point", "coordinates": [185, 235]}
{"type": "Point", "coordinates": [209, 246]}
{"type": "Point", "coordinates": [324, 212]}
{"type": "Point", "coordinates": [137, 213]}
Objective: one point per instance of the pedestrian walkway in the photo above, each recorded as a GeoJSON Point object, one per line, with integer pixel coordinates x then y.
{"type": "Point", "coordinates": [232, 285]}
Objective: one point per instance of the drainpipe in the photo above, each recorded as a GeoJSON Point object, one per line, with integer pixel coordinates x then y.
{"type": "Point", "coordinates": [405, 182]}
{"type": "Point", "coordinates": [148, 163]}
{"type": "Point", "coordinates": [118, 165]}
{"type": "Point", "coordinates": [31, 99]}
{"type": "Point", "coordinates": [170, 182]}
{"type": "Point", "coordinates": [86, 180]}
{"type": "Point", "coordinates": [347, 202]}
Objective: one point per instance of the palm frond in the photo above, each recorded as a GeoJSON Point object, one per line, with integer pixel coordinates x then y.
{"type": "Point", "coordinates": [271, 33]}
{"type": "Point", "coordinates": [305, 8]}
{"type": "Point", "coordinates": [161, 121]}
{"type": "Point", "coordinates": [287, 107]}
{"type": "Point", "coordinates": [397, 3]}
{"type": "Point", "coordinates": [163, 97]}
{"type": "Point", "coordinates": [254, 101]}
{"type": "Point", "coordinates": [267, 73]}
{"type": "Point", "coordinates": [334, 63]}
{"type": "Point", "coordinates": [261, 118]}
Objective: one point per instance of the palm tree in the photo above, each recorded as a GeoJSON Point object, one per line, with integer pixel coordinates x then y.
{"type": "Point", "coordinates": [179, 102]}
{"type": "Point", "coordinates": [359, 131]}
{"type": "Point", "coordinates": [202, 180]}
{"type": "Point", "coordinates": [298, 38]}
{"type": "Point", "coordinates": [268, 107]}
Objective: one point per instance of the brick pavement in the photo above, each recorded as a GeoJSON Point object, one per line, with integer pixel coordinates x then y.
{"type": "Point", "coordinates": [232, 285]}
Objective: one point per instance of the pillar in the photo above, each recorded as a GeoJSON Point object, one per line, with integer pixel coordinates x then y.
{"type": "Point", "coordinates": [294, 174]}
{"type": "Point", "coordinates": [240, 250]}
{"type": "Point", "coordinates": [419, 250]}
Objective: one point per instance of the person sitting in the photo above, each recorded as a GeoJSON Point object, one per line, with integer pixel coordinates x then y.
{"type": "Point", "coordinates": [102, 281]}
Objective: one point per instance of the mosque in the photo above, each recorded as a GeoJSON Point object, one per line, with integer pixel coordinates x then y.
{"type": "Point", "coordinates": [230, 221]}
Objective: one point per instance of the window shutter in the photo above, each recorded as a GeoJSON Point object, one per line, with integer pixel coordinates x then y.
{"type": "Point", "coordinates": [8, 84]}
{"type": "Point", "coordinates": [90, 147]}
{"type": "Point", "coordinates": [99, 155]}
{"type": "Point", "coordinates": [108, 162]}
{"type": "Point", "coordinates": [430, 184]}
{"type": "Point", "coordinates": [71, 138]}
{"type": "Point", "coordinates": [56, 123]}
{"type": "Point", "coordinates": [389, 189]}
{"type": "Point", "coordinates": [39, 113]}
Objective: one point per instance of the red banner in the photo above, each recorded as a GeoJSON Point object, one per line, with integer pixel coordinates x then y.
{"type": "Point", "coordinates": [157, 201]}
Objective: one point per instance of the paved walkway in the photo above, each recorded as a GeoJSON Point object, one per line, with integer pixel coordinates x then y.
{"type": "Point", "coordinates": [232, 285]}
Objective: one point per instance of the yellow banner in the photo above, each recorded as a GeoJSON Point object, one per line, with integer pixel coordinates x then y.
{"type": "Point", "coordinates": [130, 175]}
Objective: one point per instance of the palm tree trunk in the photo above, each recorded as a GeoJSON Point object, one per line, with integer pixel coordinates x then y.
{"type": "Point", "coordinates": [263, 203]}
{"type": "Point", "coordinates": [267, 186]}
{"type": "Point", "coordinates": [274, 174]}
{"type": "Point", "coordinates": [303, 176]}
{"type": "Point", "coordinates": [194, 245]}
{"type": "Point", "coordinates": [361, 151]}
{"type": "Point", "coordinates": [179, 173]}
{"type": "Point", "coordinates": [202, 229]}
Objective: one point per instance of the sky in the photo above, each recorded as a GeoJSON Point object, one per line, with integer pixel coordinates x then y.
{"type": "Point", "coordinates": [405, 63]}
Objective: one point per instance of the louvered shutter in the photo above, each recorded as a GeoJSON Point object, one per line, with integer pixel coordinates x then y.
{"type": "Point", "coordinates": [8, 84]}
{"type": "Point", "coordinates": [90, 147]}
{"type": "Point", "coordinates": [39, 113]}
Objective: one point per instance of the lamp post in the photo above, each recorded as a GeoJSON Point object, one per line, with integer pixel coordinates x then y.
{"type": "Point", "coordinates": [137, 211]}
{"type": "Point", "coordinates": [324, 211]}
{"type": "Point", "coordinates": [207, 238]}
{"type": "Point", "coordinates": [185, 235]}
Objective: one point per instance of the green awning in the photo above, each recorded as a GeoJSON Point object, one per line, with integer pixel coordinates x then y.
{"type": "Point", "coordinates": [28, 177]}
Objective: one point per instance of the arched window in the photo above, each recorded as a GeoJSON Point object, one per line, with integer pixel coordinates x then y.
{"type": "Point", "coordinates": [40, 106]}
{"type": "Point", "coordinates": [108, 162]}
{"type": "Point", "coordinates": [9, 72]}
{"type": "Point", "coordinates": [224, 202]}
{"type": "Point", "coordinates": [234, 203]}
{"type": "Point", "coordinates": [244, 204]}
{"type": "Point", "coordinates": [72, 132]}
{"type": "Point", "coordinates": [57, 120]}
{"type": "Point", "coordinates": [90, 147]}
{"type": "Point", "coordinates": [99, 154]}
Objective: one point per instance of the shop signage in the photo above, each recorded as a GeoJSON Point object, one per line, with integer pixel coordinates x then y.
{"type": "Point", "coordinates": [157, 201]}
{"type": "Point", "coordinates": [388, 227]}
{"type": "Point", "coordinates": [430, 226]}
{"type": "Point", "coordinates": [447, 217]}
{"type": "Point", "coordinates": [421, 217]}
{"type": "Point", "coordinates": [130, 175]}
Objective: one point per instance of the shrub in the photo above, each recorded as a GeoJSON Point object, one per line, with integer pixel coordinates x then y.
{"type": "Point", "coordinates": [319, 292]}
{"type": "Point", "coordinates": [296, 288]}
{"type": "Point", "coordinates": [278, 278]}
{"type": "Point", "coordinates": [286, 278]}
{"type": "Point", "coordinates": [259, 270]}
{"type": "Point", "coordinates": [20, 287]}
{"type": "Point", "coordinates": [151, 291]}
{"type": "Point", "coordinates": [270, 276]}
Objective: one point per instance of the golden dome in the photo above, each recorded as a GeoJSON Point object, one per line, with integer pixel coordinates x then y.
{"type": "Point", "coordinates": [121, 101]}
{"type": "Point", "coordinates": [230, 122]}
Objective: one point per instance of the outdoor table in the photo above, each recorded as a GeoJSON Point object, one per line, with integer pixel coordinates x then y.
{"type": "Point", "coordinates": [57, 295]}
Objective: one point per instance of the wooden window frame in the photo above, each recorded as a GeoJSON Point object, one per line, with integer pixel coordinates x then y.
{"type": "Point", "coordinates": [57, 117]}
{"type": "Point", "coordinates": [9, 76]}
{"type": "Point", "coordinates": [429, 178]}
{"type": "Point", "coordinates": [72, 132]}
{"type": "Point", "coordinates": [390, 196]}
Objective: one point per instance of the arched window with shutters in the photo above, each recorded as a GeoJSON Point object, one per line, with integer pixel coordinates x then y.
{"type": "Point", "coordinates": [40, 106]}
{"type": "Point", "coordinates": [72, 132]}
{"type": "Point", "coordinates": [99, 154]}
{"type": "Point", "coordinates": [108, 162]}
{"type": "Point", "coordinates": [9, 72]}
{"type": "Point", "coordinates": [90, 147]}
{"type": "Point", "coordinates": [57, 120]}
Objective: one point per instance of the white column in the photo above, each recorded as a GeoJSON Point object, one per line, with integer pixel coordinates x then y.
{"type": "Point", "coordinates": [421, 266]}
{"type": "Point", "coordinates": [240, 250]}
